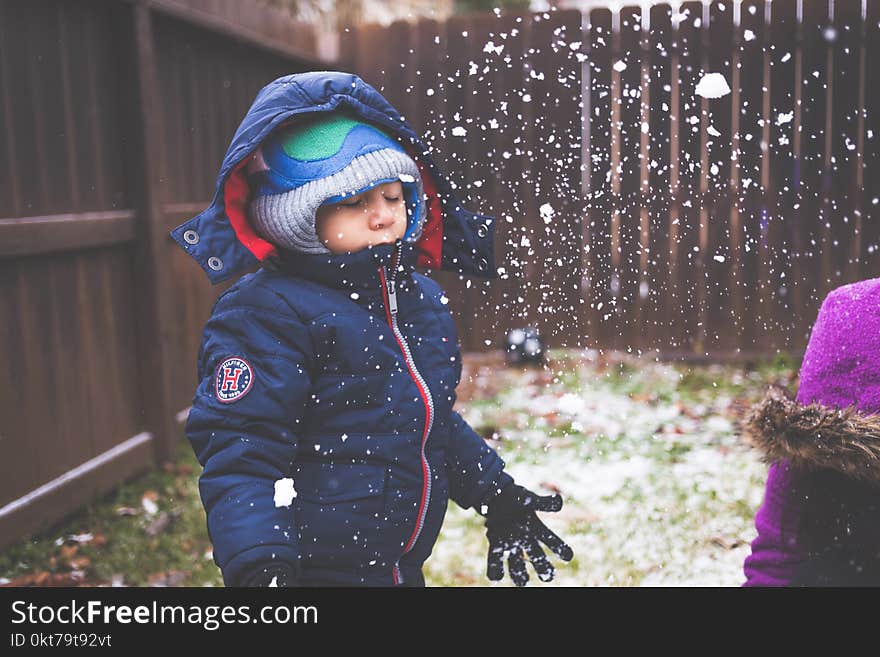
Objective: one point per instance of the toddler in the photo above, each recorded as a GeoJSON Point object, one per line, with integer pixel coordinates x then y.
{"type": "Point", "coordinates": [324, 416]}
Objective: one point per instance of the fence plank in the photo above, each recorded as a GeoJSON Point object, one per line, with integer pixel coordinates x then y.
{"type": "Point", "coordinates": [10, 185]}
{"type": "Point", "coordinates": [627, 239]}
{"type": "Point", "coordinates": [718, 204]}
{"type": "Point", "coordinates": [601, 320]}
{"type": "Point", "coordinates": [509, 166]}
{"type": "Point", "coordinates": [662, 246]}
{"type": "Point", "coordinates": [748, 172]}
{"type": "Point", "coordinates": [814, 107]}
{"type": "Point", "coordinates": [36, 235]}
{"type": "Point", "coordinates": [687, 290]}
{"type": "Point", "coordinates": [154, 311]}
{"type": "Point", "coordinates": [555, 175]}
{"type": "Point", "coordinates": [501, 113]}
{"type": "Point", "coordinates": [778, 254]}
{"type": "Point", "coordinates": [844, 173]}
{"type": "Point", "coordinates": [870, 134]}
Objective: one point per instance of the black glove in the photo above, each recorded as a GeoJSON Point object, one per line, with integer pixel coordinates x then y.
{"type": "Point", "coordinates": [269, 573]}
{"type": "Point", "coordinates": [512, 526]}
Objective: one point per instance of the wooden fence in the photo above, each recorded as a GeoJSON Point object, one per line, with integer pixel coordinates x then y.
{"type": "Point", "coordinates": [114, 118]}
{"type": "Point", "coordinates": [636, 214]}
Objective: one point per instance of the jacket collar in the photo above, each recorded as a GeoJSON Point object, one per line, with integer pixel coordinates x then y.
{"type": "Point", "coordinates": [349, 271]}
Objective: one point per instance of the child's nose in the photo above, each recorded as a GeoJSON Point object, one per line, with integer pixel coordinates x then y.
{"type": "Point", "coordinates": [381, 216]}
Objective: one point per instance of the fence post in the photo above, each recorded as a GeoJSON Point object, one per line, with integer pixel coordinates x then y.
{"type": "Point", "coordinates": [145, 143]}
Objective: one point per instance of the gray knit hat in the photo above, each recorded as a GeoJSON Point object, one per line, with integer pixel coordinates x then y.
{"type": "Point", "coordinates": [320, 161]}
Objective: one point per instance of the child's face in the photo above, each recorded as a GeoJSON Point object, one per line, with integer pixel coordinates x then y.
{"type": "Point", "coordinates": [376, 216]}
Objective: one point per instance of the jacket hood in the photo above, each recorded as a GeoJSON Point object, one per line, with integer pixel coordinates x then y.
{"type": "Point", "coordinates": [222, 240]}
{"type": "Point", "coordinates": [816, 436]}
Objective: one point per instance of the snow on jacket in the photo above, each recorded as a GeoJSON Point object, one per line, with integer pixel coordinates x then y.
{"type": "Point", "coordinates": [337, 372]}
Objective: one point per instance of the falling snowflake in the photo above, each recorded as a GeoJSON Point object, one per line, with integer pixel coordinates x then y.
{"type": "Point", "coordinates": [782, 117]}
{"type": "Point", "coordinates": [712, 85]}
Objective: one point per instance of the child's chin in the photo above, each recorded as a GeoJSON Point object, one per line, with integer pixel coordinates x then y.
{"type": "Point", "coordinates": [367, 247]}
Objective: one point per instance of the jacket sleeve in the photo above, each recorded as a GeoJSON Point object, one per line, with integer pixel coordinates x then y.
{"type": "Point", "coordinates": [776, 553]}
{"type": "Point", "coordinates": [245, 437]}
{"type": "Point", "coordinates": [474, 469]}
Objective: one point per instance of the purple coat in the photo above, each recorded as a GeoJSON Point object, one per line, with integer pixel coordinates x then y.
{"type": "Point", "coordinates": [832, 424]}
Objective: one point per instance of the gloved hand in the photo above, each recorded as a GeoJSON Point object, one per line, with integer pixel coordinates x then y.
{"type": "Point", "coordinates": [270, 573]}
{"type": "Point", "coordinates": [513, 526]}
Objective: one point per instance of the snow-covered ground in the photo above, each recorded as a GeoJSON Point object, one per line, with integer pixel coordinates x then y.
{"type": "Point", "coordinates": [659, 488]}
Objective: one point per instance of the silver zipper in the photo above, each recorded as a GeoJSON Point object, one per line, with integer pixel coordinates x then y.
{"type": "Point", "coordinates": [429, 403]}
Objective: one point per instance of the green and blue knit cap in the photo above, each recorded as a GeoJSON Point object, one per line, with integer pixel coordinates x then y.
{"type": "Point", "coordinates": [321, 161]}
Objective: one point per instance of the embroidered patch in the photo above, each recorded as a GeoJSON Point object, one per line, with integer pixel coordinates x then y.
{"type": "Point", "coordinates": [233, 379]}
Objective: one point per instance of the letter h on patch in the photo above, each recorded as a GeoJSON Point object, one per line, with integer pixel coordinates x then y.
{"type": "Point", "coordinates": [232, 379]}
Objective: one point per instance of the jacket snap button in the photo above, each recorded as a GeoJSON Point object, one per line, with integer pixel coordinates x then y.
{"type": "Point", "coordinates": [482, 231]}
{"type": "Point", "coordinates": [215, 263]}
{"type": "Point", "coordinates": [191, 237]}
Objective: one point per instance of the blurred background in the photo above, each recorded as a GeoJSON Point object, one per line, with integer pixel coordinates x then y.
{"type": "Point", "coordinates": [675, 181]}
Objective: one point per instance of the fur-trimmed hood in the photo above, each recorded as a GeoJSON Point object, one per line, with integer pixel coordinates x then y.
{"type": "Point", "coordinates": [816, 436]}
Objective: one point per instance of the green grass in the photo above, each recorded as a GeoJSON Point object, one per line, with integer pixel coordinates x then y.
{"type": "Point", "coordinates": [651, 525]}
{"type": "Point", "coordinates": [122, 548]}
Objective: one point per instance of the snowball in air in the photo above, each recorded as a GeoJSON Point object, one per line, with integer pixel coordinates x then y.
{"type": "Point", "coordinates": [713, 85]}
{"type": "Point", "coordinates": [284, 492]}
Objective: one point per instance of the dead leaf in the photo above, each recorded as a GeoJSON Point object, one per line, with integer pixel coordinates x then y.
{"type": "Point", "coordinates": [726, 543]}
{"type": "Point", "coordinates": [159, 525]}
{"type": "Point", "coordinates": [67, 552]}
{"type": "Point", "coordinates": [80, 563]}
{"type": "Point", "coordinates": [170, 578]}
{"type": "Point", "coordinates": [551, 487]}
{"type": "Point", "coordinates": [148, 501]}
{"type": "Point", "coordinates": [185, 469]}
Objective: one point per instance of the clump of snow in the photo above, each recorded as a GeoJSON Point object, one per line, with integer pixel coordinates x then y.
{"type": "Point", "coordinates": [459, 131]}
{"type": "Point", "coordinates": [784, 117]}
{"type": "Point", "coordinates": [149, 506]}
{"type": "Point", "coordinates": [284, 492]}
{"type": "Point", "coordinates": [712, 85]}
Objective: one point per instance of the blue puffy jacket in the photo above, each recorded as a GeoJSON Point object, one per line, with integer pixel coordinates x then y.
{"type": "Point", "coordinates": [335, 371]}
